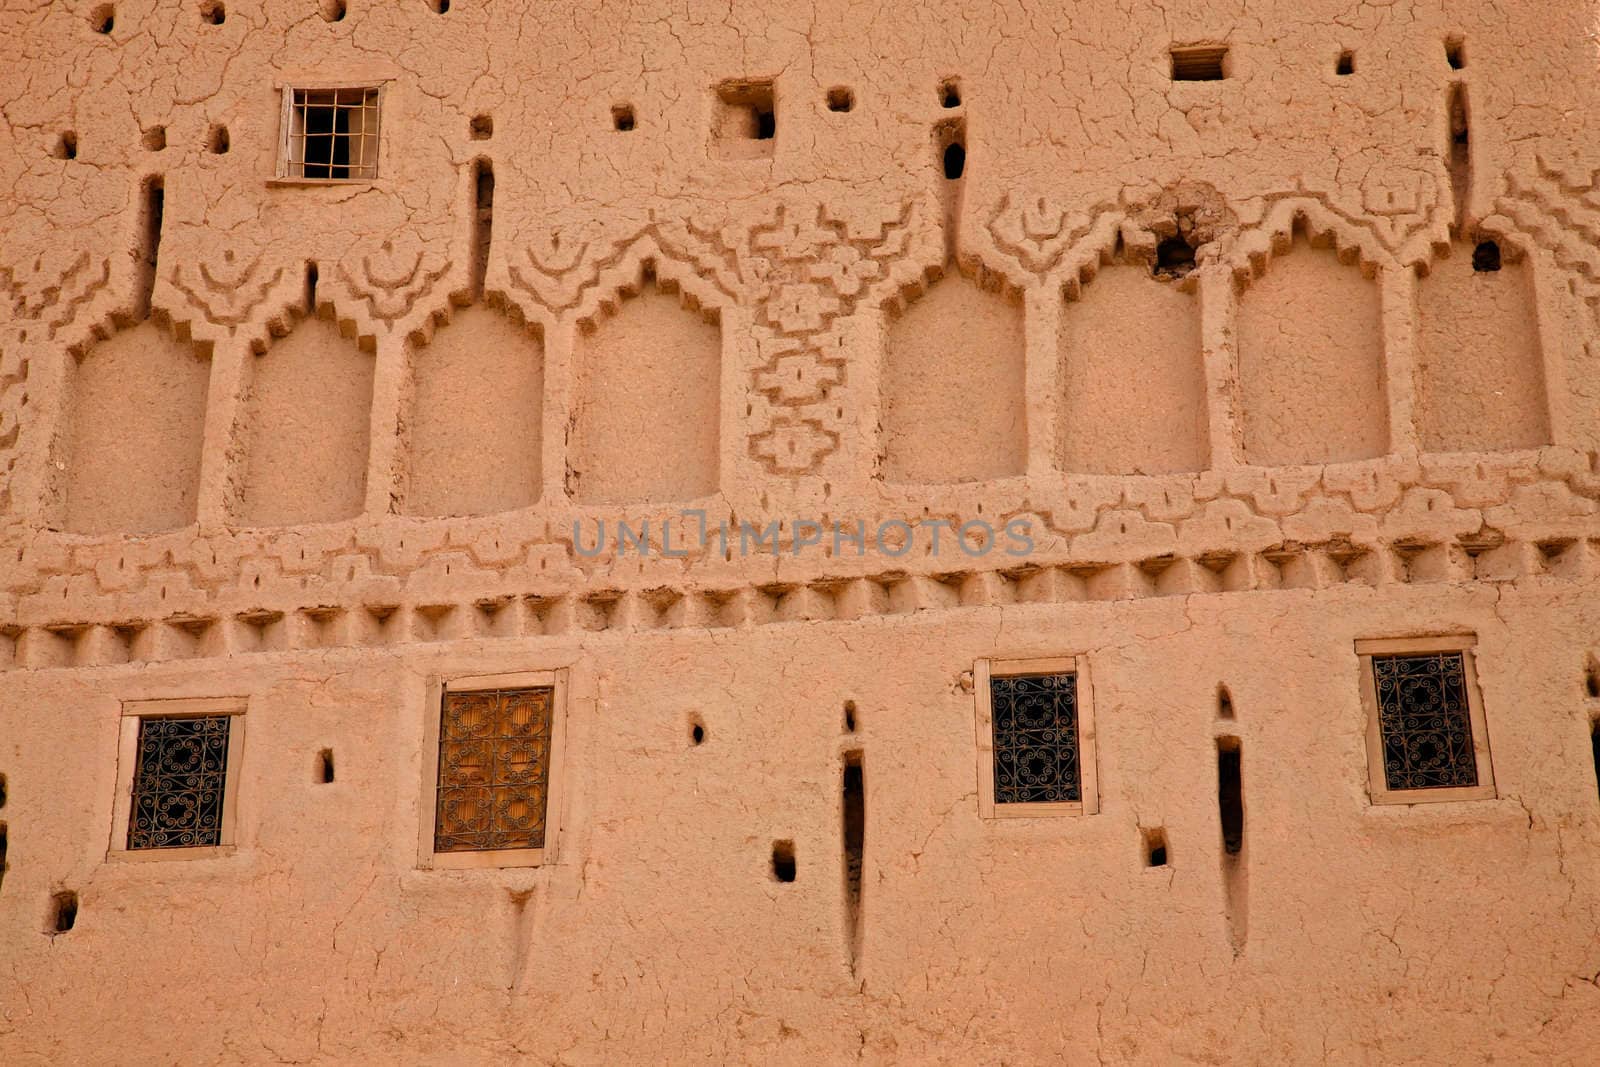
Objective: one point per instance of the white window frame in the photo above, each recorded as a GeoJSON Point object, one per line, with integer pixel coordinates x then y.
{"type": "Point", "coordinates": [133, 713]}
{"type": "Point", "coordinates": [1088, 771]}
{"type": "Point", "coordinates": [427, 858]}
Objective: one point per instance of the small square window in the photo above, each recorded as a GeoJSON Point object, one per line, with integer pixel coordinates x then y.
{"type": "Point", "coordinates": [1426, 736]}
{"type": "Point", "coordinates": [330, 134]}
{"type": "Point", "coordinates": [1036, 738]}
{"type": "Point", "coordinates": [177, 775]}
{"type": "Point", "coordinates": [492, 771]}
{"type": "Point", "coordinates": [1199, 63]}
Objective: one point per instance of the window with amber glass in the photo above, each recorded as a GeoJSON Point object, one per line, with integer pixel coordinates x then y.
{"type": "Point", "coordinates": [177, 773]}
{"type": "Point", "coordinates": [1035, 730]}
{"type": "Point", "coordinates": [1427, 739]}
{"type": "Point", "coordinates": [492, 773]}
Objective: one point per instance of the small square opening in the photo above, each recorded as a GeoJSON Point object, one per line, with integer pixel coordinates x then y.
{"type": "Point", "coordinates": [622, 118]}
{"type": "Point", "coordinates": [783, 866]}
{"type": "Point", "coordinates": [746, 125]}
{"type": "Point", "coordinates": [482, 127]}
{"type": "Point", "coordinates": [950, 93]}
{"type": "Point", "coordinates": [1346, 65]}
{"type": "Point", "coordinates": [332, 134]}
{"type": "Point", "coordinates": [841, 99]}
{"type": "Point", "coordinates": [1455, 52]}
{"type": "Point", "coordinates": [1200, 63]}
{"type": "Point", "coordinates": [1486, 257]}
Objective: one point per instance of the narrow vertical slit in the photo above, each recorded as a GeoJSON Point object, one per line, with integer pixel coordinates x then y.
{"type": "Point", "coordinates": [783, 864]}
{"type": "Point", "coordinates": [1594, 744]}
{"type": "Point", "coordinates": [1155, 847]}
{"type": "Point", "coordinates": [1230, 808]}
{"type": "Point", "coordinates": [482, 223]}
{"type": "Point", "coordinates": [151, 208]}
{"type": "Point", "coordinates": [1460, 152]}
{"type": "Point", "coordinates": [1591, 683]}
{"type": "Point", "coordinates": [311, 289]}
{"type": "Point", "coordinates": [854, 808]}
{"type": "Point", "coordinates": [849, 716]}
{"type": "Point", "coordinates": [325, 766]}
{"type": "Point", "coordinates": [950, 147]}
{"type": "Point", "coordinates": [4, 841]}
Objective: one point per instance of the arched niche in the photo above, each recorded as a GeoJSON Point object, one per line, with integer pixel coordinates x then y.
{"type": "Point", "coordinates": [132, 433]}
{"type": "Point", "coordinates": [477, 411]}
{"type": "Point", "coordinates": [1132, 377]}
{"type": "Point", "coordinates": [647, 402]}
{"type": "Point", "coordinates": [1480, 372]}
{"type": "Point", "coordinates": [1311, 370]}
{"type": "Point", "coordinates": [953, 387]}
{"type": "Point", "coordinates": [304, 423]}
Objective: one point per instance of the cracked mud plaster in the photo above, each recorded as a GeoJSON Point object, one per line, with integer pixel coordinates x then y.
{"type": "Point", "coordinates": [319, 446]}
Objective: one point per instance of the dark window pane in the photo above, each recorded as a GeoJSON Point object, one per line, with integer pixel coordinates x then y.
{"type": "Point", "coordinates": [1424, 721]}
{"type": "Point", "coordinates": [178, 783]}
{"type": "Point", "coordinates": [1035, 739]}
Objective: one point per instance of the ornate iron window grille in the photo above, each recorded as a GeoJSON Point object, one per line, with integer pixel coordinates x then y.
{"type": "Point", "coordinates": [1036, 754]}
{"type": "Point", "coordinates": [1425, 721]}
{"type": "Point", "coordinates": [494, 769]}
{"type": "Point", "coordinates": [179, 782]}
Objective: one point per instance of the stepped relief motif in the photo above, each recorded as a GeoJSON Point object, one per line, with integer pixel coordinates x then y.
{"type": "Point", "coordinates": [43, 301]}
{"type": "Point", "coordinates": [239, 294]}
{"type": "Point", "coordinates": [387, 289]}
{"type": "Point", "coordinates": [800, 270]}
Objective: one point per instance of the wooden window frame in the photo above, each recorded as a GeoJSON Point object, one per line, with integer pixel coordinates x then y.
{"type": "Point", "coordinates": [286, 91]}
{"type": "Point", "coordinates": [1377, 783]}
{"type": "Point", "coordinates": [134, 712]}
{"type": "Point", "coordinates": [1088, 770]}
{"type": "Point", "coordinates": [427, 859]}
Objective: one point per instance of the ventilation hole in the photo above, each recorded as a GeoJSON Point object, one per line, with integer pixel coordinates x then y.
{"type": "Point", "coordinates": [766, 124]}
{"type": "Point", "coordinates": [1200, 63]}
{"type": "Point", "coordinates": [955, 161]}
{"type": "Point", "coordinates": [439, 7]}
{"type": "Point", "coordinates": [746, 112]}
{"type": "Point", "coordinates": [153, 208]}
{"type": "Point", "coordinates": [481, 128]}
{"type": "Point", "coordinates": [1455, 51]}
{"type": "Point", "coordinates": [325, 766]}
{"type": "Point", "coordinates": [1460, 149]}
{"type": "Point", "coordinates": [311, 309]}
{"type": "Point", "coordinates": [67, 146]}
{"type": "Point", "coordinates": [483, 223]}
{"type": "Point", "coordinates": [4, 841]}
{"type": "Point", "coordinates": [1155, 847]}
{"type": "Point", "coordinates": [213, 12]}
{"type": "Point", "coordinates": [217, 140]}
{"type": "Point", "coordinates": [849, 716]}
{"type": "Point", "coordinates": [63, 911]}
{"type": "Point", "coordinates": [697, 731]}
{"type": "Point", "coordinates": [1230, 795]}
{"type": "Point", "coordinates": [1224, 703]}
{"type": "Point", "coordinates": [841, 99]}
{"type": "Point", "coordinates": [2, 790]}
{"type": "Point", "coordinates": [155, 139]}
{"type": "Point", "coordinates": [1174, 258]}
{"type": "Point", "coordinates": [622, 118]}
{"type": "Point", "coordinates": [854, 808]}
{"type": "Point", "coordinates": [1346, 65]}
{"type": "Point", "coordinates": [1591, 684]}
{"type": "Point", "coordinates": [783, 861]}
{"type": "Point", "coordinates": [950, 92]}
{"type": "Point", "coordinates": [333, 10]}
{"type": "Point", "coordinates": [1486, 257]}
{"type": "Point", "coordinates": [103, 18]}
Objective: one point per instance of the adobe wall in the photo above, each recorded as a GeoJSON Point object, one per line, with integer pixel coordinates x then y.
{"type": "Point", "coordinates": [320, 446]}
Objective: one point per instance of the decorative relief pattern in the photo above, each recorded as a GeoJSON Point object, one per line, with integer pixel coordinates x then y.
{"type": "Point", "coordinates": [494, 769]}
{"type": "Point", "coordinates": [1424, 721]}
{"type": "Point", "coordinates": [179, 782]}
{"type": "Point", "coordinates": [1036, 739]}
